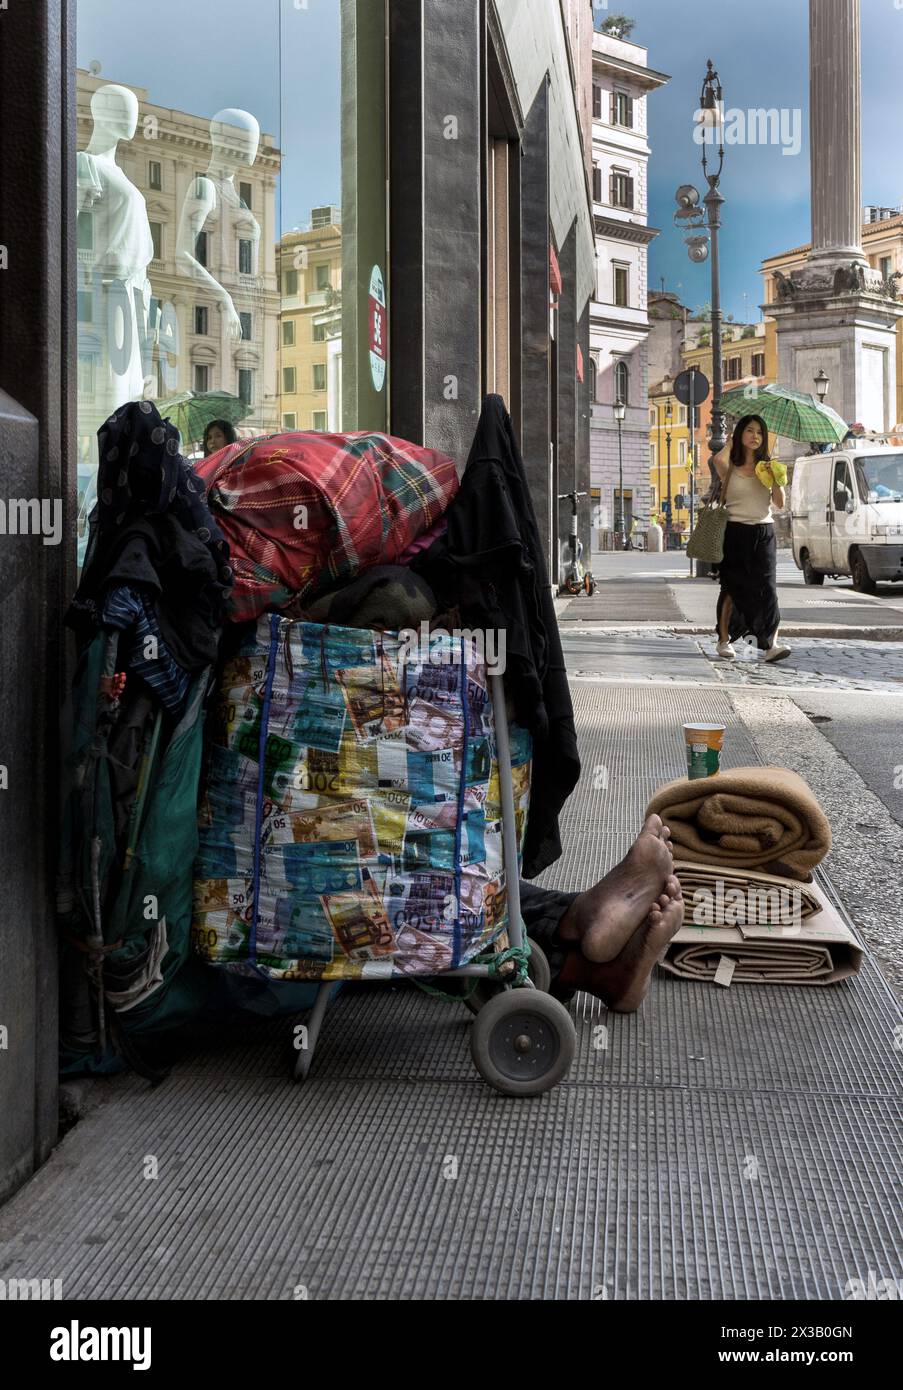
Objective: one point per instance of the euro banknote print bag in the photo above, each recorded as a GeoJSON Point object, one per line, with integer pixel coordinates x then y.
{"type": "Point", "coordinates": [707, 541]}
{"type": "Point", "coordinates": [351, 824]}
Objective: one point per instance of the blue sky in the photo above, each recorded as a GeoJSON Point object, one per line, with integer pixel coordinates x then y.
{"type": "Point", "coordinates": [761, 54]}
{"type": "Point", "coordinates": [201, 55]}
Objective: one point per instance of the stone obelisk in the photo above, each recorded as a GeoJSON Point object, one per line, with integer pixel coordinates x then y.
{"type": "Point", "coordinates": [835, 313]}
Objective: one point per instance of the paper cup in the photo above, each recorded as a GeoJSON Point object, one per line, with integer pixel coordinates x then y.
{"type": "Point", "coordinates": [704, 742]}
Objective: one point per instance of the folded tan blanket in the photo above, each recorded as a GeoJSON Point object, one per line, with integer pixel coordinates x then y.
{"type": "Point", "coordinates": [747, 817]}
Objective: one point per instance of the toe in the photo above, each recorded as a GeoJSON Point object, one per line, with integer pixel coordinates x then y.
{"type": "Point", "coordinates": [652, 826]}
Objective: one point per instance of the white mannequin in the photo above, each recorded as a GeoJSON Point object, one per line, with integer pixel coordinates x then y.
{"type": "Point", "coordinates": [213, 204]}
{"type": "Point", "coordinates": [123, 248]}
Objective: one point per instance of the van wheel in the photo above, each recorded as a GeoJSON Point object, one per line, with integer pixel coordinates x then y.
{"type": "Point", "coordinates": [863, 582]}
{"type": "Point", "coordinates": [810, 576]}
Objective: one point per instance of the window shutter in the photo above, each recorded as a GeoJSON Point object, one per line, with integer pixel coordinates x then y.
{"type": "Point", "coordinates": [628, 188]}
{"type": "Point", "coordinates": [597, 102]}
{"type": "Point", "coordinates": [613, 109]}
{"type": "Point", "coordinates": [612, 189]}
{"type": "Point", "coordinates": [630, 112]}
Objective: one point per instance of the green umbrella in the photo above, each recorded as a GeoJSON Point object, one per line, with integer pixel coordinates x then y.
{"type": "Point", "coordinates": [192, 411]}
{"type": "Point", "coordinates": [794, 414]}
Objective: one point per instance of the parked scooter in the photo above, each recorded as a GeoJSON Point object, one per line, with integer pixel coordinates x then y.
{"type": "Point", "coordinates": [577, 580]}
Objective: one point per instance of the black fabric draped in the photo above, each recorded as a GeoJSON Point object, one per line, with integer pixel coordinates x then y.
{"type": "Point", "coordinates": [748, 575]}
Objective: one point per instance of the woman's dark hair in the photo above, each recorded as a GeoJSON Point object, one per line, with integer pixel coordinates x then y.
{"type": "Point", "coordinates": [737, 453]}
{"type": "Point", "coordinates": [227, 429]}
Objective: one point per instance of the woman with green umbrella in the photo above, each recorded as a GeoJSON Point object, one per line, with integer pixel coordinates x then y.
{"type": "Point", "coordinates": [750, 483]}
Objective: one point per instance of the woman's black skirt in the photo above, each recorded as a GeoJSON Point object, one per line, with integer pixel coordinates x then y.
{"type": "Point", "coordinates": [748, 575]}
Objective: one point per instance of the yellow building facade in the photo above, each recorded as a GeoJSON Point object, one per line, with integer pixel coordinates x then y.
{"type": "Point", "coordinates": [310, 325]}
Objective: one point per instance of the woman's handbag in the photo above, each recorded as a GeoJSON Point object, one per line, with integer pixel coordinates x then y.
{"type": "Point", "coordinates": [707, 540]}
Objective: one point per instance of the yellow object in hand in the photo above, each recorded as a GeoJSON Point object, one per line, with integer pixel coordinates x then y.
{"type": "Point", "coordinates": [779, 473]}
{"type": "Point", "coordinates": [763, 473]}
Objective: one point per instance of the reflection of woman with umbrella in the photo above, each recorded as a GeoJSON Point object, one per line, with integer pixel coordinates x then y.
{"type": "Point", "coordinates": [750, 483]}
{"type": "Point", "coordinates": [217, 435]}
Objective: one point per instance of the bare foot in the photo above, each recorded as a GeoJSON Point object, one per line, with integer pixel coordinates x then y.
{"type": "Point", "coordinates": [605, 917]}
{"type": "Point", "coordinates": [622, 983]}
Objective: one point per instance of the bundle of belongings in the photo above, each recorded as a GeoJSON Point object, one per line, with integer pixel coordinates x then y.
{"type": "Point", "coordinates": [746, 842]}
{"type": "Point", "coordinates": [283, 765]}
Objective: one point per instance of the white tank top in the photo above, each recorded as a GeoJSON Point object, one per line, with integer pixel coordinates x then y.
{"type": "Point", "coordinates": [748, 499]}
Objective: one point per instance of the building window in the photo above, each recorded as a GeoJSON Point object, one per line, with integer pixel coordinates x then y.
{"type": "Point", "coordinates": [244, 257]}
{"type": "Point", "coordinates": [621, 189]}
{"type": "Point", "coordinates": [245, 319]}
{"type": "Point", "coordinates": [246, 386]}
{"type": "Point", "coordinates": [290, 421]}
{"type": "Point", "coordinates": [758, 364]}
{"type": "Point", "coordinates": [732, 369]}
{"type": "Point", "coordinates": [84, 231]}
{"type": "Point", "coordinates": [621, 285]}
{"type": "Point", "coordinates": [682, 453]}
{"type": "Point", "coordinates": [317, 332]}
{"type": "Point", "coordinates": [621, 109]}
{"type": "Point", "coordinates": [291, 283]}
{"type": "Point", "coordinates": [593, 378]}
{"type": "Point", "coordinates": [886, 265]}
{"type": "Point", "coordinates": [200, 318]}
{"type": "Point", "coordinates": [681, 414]}
{"type": "Point", "coordinates": [318, 373]}
{"type": "Point", "coordinates": [322, 273]}
{"type": "Point", "coordinates": [244, 193]}
{"type": "Point", "coordinates": [622, 383]}
{"type": "Point", "coordinates": [597, 102]}
{"type": "Point", "coordinates": [652, 414]}
{"type": "Point", "coordinates": [200, 181]}
{"type": "Point", "coordinates": [288, 332]}
{"type": "Point", "coordinates": [597, 184]}
{"type": "Point", "coordinates": [154, 174]}
{"type": "Point", "coordinates": [156, 230]}
{"type": "Point", "coordinates": [652, 456]}
{"type": "Point", "coordinates": [289, 380]}
{"type": "Point", "coordinates": [200, 248]}
{"type": "Point", "coordinates": [201, 376]}
{"type": "Point", "coordinates": [84, 308]}
{"type": "Point", "coordinates": [318, 420]}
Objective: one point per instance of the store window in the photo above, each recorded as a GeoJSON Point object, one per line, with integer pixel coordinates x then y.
{"type": "Point", "coordinates": [214, 183]}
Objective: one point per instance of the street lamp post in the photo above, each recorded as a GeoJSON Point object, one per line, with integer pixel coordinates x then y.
{"type": "Point", "coordinates": [668, 417]}
{"type": "Point", "coordinates": [619, 411]}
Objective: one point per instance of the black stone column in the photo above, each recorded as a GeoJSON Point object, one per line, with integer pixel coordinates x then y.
{"type": "Point", "coordinates": [37, 438]}
{"type": "Point", "coordinates": [434, 191]}
{"type": "Point", "coordinates": [534, 281]}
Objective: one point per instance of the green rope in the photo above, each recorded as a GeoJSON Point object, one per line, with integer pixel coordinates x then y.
{"type": "Point", "coordinates": [494, 960]}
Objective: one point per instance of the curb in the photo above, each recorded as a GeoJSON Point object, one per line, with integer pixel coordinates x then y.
{"type": "Point", "coordinates": [829, 630]}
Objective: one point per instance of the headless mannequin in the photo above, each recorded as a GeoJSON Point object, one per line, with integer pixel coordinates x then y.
{"type": "Point", "coordinates": [122, 248]}
{"type": "Point", "coordinates": [213, 201]}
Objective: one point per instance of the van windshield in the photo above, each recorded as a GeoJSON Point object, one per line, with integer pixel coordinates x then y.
{"type": "Point", "coordinates": [880, 477]}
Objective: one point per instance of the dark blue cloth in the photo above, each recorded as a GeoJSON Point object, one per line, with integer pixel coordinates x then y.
{"type": "Point", "coordinates": [126, 608]}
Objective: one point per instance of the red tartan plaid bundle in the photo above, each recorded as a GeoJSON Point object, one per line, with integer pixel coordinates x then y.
{"type": "Point", "coordinates": [302, 511]}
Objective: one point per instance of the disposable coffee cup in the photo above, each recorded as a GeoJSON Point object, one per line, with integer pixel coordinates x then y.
{"type": "Point", "coordinates": [704, 743]}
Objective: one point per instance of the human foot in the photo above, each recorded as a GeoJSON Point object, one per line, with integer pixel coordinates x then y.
{"type": "Point", "coordinates": [622, 983]}
{"type": "Point", "coordinates": [605, 917]}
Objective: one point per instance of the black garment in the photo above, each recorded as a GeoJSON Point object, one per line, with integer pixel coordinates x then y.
{"type": "Point", "coordinates": [490, 565]}
{"type": "Point", "coordinates": [748, 574]}
{"type": "Point", "coordinates": [152, 530]}
{"type": "Point", "coordinates": [542, 909]}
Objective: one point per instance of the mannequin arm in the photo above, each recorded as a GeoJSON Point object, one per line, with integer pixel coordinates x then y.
{"type": "Point", "coordinates": [198, 206]}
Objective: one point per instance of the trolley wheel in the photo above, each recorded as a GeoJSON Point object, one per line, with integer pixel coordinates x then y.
{"type": "Point", "coordinates": [538, 971]}
{"type": "Point", "coordinates": [523, 1042]}
{"type": "Point", "coordinates": [573, 586]}
{"type": "Point", "coordinates": [589, 585]}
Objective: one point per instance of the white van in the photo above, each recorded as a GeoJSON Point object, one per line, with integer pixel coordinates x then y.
{"type": "Point", "coordinates": [846, 515]}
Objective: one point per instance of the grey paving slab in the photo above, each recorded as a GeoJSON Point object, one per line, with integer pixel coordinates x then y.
{"type": "Point", "coordinates": [739, 1144]}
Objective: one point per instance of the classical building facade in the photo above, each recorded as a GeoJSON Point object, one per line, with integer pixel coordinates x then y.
{"type": "Point", "coordinates": [619, 322]}
{"type": "Point", "coordinates": [310, 326]}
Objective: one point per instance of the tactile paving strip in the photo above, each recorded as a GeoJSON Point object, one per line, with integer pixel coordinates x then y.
{"type": "Point", "coordinates": [739, 1144]}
